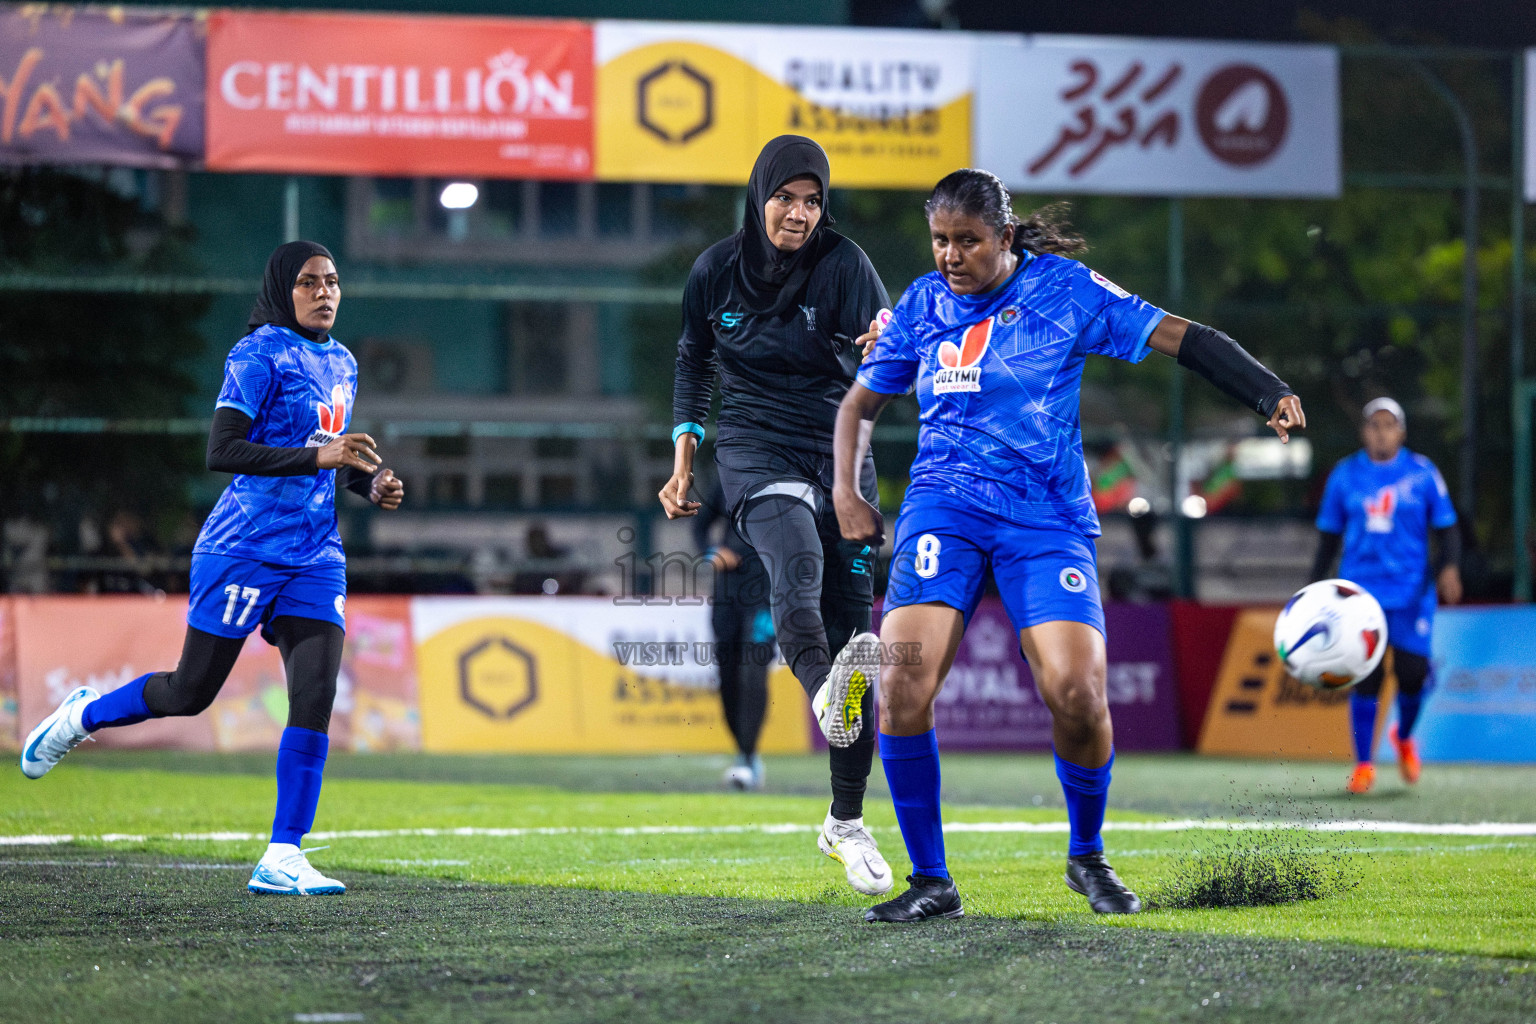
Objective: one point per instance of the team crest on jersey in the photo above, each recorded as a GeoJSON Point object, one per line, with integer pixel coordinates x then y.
{"type": "Point", "coordinates": [1378, 511]}
{"type": "Point", "coordinates": [1073, 580]}
{"type": "Point", "coordinates": [333, 418]}
{"type": "Point", "coordinates": [959, 367]}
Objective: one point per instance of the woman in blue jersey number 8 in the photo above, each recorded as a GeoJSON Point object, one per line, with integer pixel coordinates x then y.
{"type": "Point", "coordinates": [994, 341]}
{"type": "Point", "coordinates": [268, 555]}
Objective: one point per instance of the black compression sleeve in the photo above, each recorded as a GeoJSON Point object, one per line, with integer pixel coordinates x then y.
{"type": "Point", "coordinates": [693, 382]}
{"type": "Point", "coordinates": [230, 452]}
{"type": "Point", "coordinates": [1224, 363]}
{"type": "Point", "coordinates": [355, 480]}
{"type": "Point", "coordinates": [1448, 539]}
{"type": "Point", "coordinates": [1328, 547]}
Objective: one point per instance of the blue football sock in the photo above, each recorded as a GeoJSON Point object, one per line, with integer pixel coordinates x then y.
{"type": "Point", "coordinates": [1362, 718]}
{"type": "Point", "coordinates": [300, 767]}
{"type": "Point", "coordinates": [1087, 793]}
{"type": "Point", "coordinates": [1408, 705]}
{"type": "Point", "coordinates": [912, 772]}
{"type": "Point", "coordinates": [123, 706]}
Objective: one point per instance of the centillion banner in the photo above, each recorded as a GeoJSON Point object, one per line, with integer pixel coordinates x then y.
{"type": "Point", "coordinates": [580, 675]}
{"type": "Point", "coordinates": [690, 102]}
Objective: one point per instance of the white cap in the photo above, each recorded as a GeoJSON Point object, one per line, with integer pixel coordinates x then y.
{"type": "Point", "coordinates": [1377, 405]}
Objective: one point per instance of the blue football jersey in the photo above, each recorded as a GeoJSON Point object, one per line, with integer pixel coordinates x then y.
{"type": "Point", "coordinates": [998, 378]}
{"type": "Point", "coordinates": [1385, 510]}
{"type": "Point", "coordinates": [298, 395]}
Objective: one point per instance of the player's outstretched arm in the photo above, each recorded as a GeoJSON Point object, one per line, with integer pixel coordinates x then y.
{"type": "Point", "coordinates": [856, 517]}
{"type": "Point", "coordinates": [1223, 362]}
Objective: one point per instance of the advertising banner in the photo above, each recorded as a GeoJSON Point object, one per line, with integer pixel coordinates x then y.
{"type": "Point", "coordinates": [689, 102]}
{"type": "Point", "coordinates": [989, 701]}
{"type": "Point", "coordinates": [10, 723]}
{"type": "Point", "coordinates": [99, 85]}
{"type": "Point", "coordinates": [1152, 117]}
{"type": "Point", "coordinates": [1483, 705]}
{"type": "Point", "coordinates": [129, 636]}
{"type": "Point", "coordinates": [1258, 710]}
{"type": "Point", "coordinates": [399, 95]}
{"type": "Point", "coordinates": [580, 675]}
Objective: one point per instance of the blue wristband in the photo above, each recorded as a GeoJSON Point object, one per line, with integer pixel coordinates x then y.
{"type": "Point", "coordinates": [687, 428]}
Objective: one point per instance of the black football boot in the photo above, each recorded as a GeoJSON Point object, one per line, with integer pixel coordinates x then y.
{"type": "Point", "coordinates": [927, 897]}
{"type": "Point", "coordinates": [1091, 875]}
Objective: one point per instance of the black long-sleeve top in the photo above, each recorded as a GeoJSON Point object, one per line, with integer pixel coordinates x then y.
{"type": "Point", "coordinates": [781, 376]}
{"type": "Point", "coordinates": [230, 452]}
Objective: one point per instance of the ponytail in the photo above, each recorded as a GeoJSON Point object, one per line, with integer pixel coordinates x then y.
{"type": "Point", "coordinates": [982, 194]}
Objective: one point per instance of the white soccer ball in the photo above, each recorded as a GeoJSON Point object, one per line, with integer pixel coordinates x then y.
{"type": "Point", "coordinates": [1331, 634]}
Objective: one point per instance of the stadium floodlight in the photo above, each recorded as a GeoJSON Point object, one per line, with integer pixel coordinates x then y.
{"type": "Point", "coordinates": [458, 195]}
{"type": "Point", "coordinates": [1138, 506]}
{"type": "Point", "coordinates": [1193, 507]}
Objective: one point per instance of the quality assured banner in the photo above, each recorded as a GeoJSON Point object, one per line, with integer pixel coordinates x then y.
{"type": "Point", "coordinates": [691, 102]}
{"type": "Point", "coordinates": [1147, 117]}
{"type": "Point", "coordinates": [581, 675]}
{"type": "Point", "coordinates": [399, 95]}
{"type": "Point", "coordinates": [87, 85]}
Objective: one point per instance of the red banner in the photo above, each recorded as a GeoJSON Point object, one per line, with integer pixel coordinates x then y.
{"type": "Point", "coordinates": [399, 95]}
{"type": "Point", "coordinates": [376, 707]}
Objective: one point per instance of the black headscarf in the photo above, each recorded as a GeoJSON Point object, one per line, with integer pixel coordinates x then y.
{"type": "Point", "coordinates": [769, 279]}
{"type": "Point", "coordinates": [276, 303]}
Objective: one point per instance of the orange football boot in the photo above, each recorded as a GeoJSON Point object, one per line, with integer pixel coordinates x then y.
{"type": "Point", "coordinates": [1407, 756]}
{"type": "Point", "coordinates": [1363, 778]}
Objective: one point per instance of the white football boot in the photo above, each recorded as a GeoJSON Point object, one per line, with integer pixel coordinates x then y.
{"type": "Point", "coordinates": [746, 774]}
{"type": "Point", "coordinates": [57, 734]}
{"type": "Point", "coordinates": [838, 704]}
{"type": "Point", "coordinates": [284, 870]}
{"type": "Point", "coordinates": [850, 844]}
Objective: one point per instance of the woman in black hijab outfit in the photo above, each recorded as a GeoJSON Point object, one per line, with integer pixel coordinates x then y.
{"type": "Point", "coordinates": [780, 312]}
{"type": "Point", "coordinates": [269, 555]}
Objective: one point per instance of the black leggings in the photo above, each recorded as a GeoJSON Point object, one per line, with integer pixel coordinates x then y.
{"type": "Point", "coordinates": [311, 650]}
{"type": "Point", "coordinates": [822, 594]}
{"type": "Point", "coordinates": [1411, 671]}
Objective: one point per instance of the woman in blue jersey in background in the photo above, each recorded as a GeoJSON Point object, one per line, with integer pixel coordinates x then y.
{"type": "Point", "coordinates": [994, 341]}
{"type": "Point", "coordinates": [1381, 506]}
{"type": "Point", "coordinates": [269, 554]}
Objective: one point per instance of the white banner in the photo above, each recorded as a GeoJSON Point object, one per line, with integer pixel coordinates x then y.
{"type": "Point", "coordinates": [1530, 126]}
{"type": "Point", "coordinates": [1150, 117]}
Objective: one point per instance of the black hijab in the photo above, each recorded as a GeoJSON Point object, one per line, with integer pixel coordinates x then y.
{"type": "Point", "coordinates": [276, 303]}
{"type": "Point", "coordinates": [769, 280]}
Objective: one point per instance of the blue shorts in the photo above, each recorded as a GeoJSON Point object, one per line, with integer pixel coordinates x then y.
{"type": "Point", "coordinates": [943, 552]}
{"type": "Point", "coordinates": [232, 596]}
{"type": "Point", "coordinates": [1408, 629]}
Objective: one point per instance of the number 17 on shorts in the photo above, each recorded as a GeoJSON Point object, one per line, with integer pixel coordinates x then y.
{"type": "Point", "coordinates": [232, 596]}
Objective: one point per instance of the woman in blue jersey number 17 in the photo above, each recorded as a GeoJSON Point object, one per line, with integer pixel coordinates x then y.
{"type": "Point", "coordinates": [994, 341]}
{"type": "Point", "coordinates": [268, 555]}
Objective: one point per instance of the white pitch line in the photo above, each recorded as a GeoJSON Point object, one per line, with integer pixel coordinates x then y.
{"type": "Point", "coordinates": [1487, 828]}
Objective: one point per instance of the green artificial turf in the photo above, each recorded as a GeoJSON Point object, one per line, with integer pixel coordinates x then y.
{"type": "Point", "coordinates": [89, 936]}
{"type": "Point", "coordinates": [1450, 893]}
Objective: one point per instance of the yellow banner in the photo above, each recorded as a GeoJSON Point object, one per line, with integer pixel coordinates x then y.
{"type": "Point", "coordinates": [498, 677]}
{"type": "Point", "coordinates": [694, 103]}
{"type": "Point", "coordinates": [1257, 709]}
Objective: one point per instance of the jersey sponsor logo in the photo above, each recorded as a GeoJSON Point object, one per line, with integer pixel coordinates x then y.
{"type": "Point", "coordinates": [810, 317]}
{"type": "Point", "coordinates": [1378, 511]}
{"type": "Point", "coordinates": [730, 321]}
{"type": "Point", "coordinates": [1108, 285]}
{"type": "Point", "coordinates": [1073, 580]}
{"type": "Point", "coordinates": [958, 366]}
{"type": "Point", "coordinates": [333, 418]}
